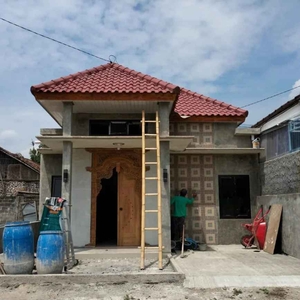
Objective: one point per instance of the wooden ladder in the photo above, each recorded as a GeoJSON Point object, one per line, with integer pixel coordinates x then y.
{"type": "Point", "coordinates": [146, 137]}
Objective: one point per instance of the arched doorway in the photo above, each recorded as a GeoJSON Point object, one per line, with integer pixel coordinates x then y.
{"type": "Point", "coordinates": [119, 170]}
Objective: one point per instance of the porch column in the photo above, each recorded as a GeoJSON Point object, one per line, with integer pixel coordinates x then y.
{"type": "Point", "coordinates": [66, 189]}
{"type": "Point", "coordinates": [165, 165]}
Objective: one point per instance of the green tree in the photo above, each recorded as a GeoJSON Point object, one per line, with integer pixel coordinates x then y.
{"type": "Point", "coordinates": [34, 154]}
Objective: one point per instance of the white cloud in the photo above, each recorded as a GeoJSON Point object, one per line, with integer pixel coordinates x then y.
{"type": "Point", "coordinates": [7, 134]}
{"type": "Point", "coordinates": [25, 152]}
{"type": "Point", "coordinates": [174, 39]}
{"type": "Point", "coordinates": [295, 92]}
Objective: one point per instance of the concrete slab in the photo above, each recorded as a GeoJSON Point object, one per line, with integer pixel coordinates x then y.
{"type": "Point", "coordinates": [234, 266]}
{"type": "Point", "coordinates": [121, 269]}
{"type": "Point", "coordinates": [132, 278]}
{"type": "Point", "coordinates": [113, 252]}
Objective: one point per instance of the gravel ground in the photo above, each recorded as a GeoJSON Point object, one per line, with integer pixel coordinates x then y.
{"type": "Point", "coordinates": [119, 266]}
{"type": "Point", "coordinates": [134, 292]}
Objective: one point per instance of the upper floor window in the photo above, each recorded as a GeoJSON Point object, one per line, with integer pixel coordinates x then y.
{"type": "Point", "coordinates": [294, 131]}
{"type": "Point", "coordinates": [283, 139]}
{"type": "Point", "coordinates": [115, 128]}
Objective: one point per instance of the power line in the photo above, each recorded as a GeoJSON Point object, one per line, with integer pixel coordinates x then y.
{"type": "Point", "coordinates": [270, 97]}
{"type": "Point", "coordinates": [59, 42]}
{"type": "Point", "coordinates": [108, 60]}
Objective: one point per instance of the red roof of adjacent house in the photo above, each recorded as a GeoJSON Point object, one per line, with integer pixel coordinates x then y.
{"type": "Point", "coordinates": [114, 78]}
{"type": "Point", "coordinates": [25, 161]}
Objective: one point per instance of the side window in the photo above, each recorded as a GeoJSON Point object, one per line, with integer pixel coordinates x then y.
{"type": "Point", "coordinates": [56, 186]}
{"type": "Point", "coordinates": [234, 197]}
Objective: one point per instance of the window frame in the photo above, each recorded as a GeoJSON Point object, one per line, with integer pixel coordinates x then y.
{"type": "Point", "coordinates": [246, 199]}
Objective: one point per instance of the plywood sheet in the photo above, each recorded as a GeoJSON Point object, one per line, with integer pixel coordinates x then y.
{"type": "Point", "coordinates": [273, 228]}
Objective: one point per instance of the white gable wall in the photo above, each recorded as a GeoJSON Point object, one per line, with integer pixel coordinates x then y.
{"type": "Point", "coordinates": [287, 115]}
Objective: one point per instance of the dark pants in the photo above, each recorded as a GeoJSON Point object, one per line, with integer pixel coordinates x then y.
{"type": "Point", "coordinates": [177, 228]}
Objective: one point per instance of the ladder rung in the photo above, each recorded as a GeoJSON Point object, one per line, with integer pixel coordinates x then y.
{"type": "Point", "coordinates": [151, 228]}
{"type": "Point", "coordinates": [150, 148]}
{"type": "Point", "coordinates": [154, 247]}
{"type": "Point", "coordinates": [150, 121]}
{"type": "Point", "coordinates": [151, 178]}
{"type": "Point", "coordinates": [151, 194]}
{"type": "Point", "coordinates": [151, 247]}
{"type": "Point", "coordinates": [150, 134]}
{"type": "Point", "coordinates": [151, 211]}
{"type": "Point", "coordinates": [151, 163]}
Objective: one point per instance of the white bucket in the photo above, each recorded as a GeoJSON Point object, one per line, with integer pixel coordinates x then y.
{"type": "Point", "coordinates": [255, 143]}
{"type": "Point", "coordinates": [202, 247]}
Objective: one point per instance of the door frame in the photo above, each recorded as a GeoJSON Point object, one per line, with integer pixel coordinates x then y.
{"type": "Point", "coordinates": [103, 163]}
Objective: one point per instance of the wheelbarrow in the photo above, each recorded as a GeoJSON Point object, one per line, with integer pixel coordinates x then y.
{"type": "Point", "coordinates": [258, 230]}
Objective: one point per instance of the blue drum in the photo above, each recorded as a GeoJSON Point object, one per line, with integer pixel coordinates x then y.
{"type": "Point", "coordinates": [50, 252]}
{"type": "Point", "coordinates": [18, 248]}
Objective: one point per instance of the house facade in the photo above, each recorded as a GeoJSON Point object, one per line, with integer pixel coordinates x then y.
{"type": "Point", "coordinates": [94, 159]}
{"type": "Point", "coordinates": [17, 175]}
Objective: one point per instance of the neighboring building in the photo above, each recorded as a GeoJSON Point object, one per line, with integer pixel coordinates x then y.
{"type": "Point", "coordinates": [202, 150]}
{"type": "Point", "coordinates": [280, 136]}
{"type": "Point", "coordinates": [17, 174]}
{"type": "Point", "coordinates": [280, 170]}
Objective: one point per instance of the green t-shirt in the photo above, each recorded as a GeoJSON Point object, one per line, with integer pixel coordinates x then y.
{"type": "Point", "coordinates": [180, 205]}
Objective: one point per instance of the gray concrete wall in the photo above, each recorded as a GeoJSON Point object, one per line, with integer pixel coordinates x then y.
{"type": "Point", "coordinates": [81, 198]}
{"type": "Point", "coordinates": [290, 220]}
{"type": "Point", "coordinates": [7, 209]}
{"type": "Point", "coordinates": [281, 175]}
{"type": "Point", "coordinates": [223, 136]}
{"type": "Point", "coordinates": [51, 165]}
{"type": "Point", "coordinates": [231, 231]}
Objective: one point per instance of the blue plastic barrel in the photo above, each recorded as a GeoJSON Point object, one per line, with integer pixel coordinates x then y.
{"type": "Point", "coordinates": [18, 248]}
{"type": "Point", "coordinates": [50, 252]}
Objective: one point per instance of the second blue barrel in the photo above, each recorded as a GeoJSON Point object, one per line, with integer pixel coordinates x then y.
{"type": "Point", "coordinates": [50, 252]}
{"type": "Point", "coordinates": [18, 249]}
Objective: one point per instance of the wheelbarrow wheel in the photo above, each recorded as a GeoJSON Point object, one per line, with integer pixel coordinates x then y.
{"type": "Point", "coordinates": [245, 240]}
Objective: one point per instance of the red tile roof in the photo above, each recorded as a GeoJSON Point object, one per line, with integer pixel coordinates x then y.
{"type": "Point", "coordinates": [114, 78]}
{"type": "Point", "coordinates": [25, 161]}
{"type": "Point", "coordinates": [193, 104]}
{"type": "Point", "coordinates": [108, 78]}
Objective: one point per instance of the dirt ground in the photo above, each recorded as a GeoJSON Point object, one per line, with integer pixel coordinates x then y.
{"type": "Point", "coordinates": [134, 292]}
{"type": "Point", "coordinates": [118, 266]}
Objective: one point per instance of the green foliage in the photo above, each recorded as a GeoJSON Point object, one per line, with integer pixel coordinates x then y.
{"type": "Point", "coordinates": [34, 154]}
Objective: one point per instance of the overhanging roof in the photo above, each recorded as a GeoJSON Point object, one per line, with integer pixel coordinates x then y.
{"type": "Point", "coordinates": [113, 82]}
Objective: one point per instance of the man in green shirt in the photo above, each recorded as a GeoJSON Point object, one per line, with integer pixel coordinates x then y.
{"type": "Point", "coordinates": [179, 213]}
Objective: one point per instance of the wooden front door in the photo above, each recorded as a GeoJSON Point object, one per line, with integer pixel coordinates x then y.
{"type": "Point", "coordinates": [129, 215]}
{"type": "Point", "coordinates": [128, 167]}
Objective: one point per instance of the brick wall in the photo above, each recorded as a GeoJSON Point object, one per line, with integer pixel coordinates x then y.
{"type": "Point", "coordinates": [11, 187]}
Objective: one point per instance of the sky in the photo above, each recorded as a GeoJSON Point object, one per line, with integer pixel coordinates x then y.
{"type": "Point", "coordinates": [236, 51]}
